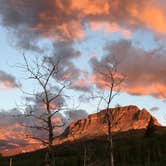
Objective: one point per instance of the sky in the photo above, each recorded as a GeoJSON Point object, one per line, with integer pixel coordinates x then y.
{"type": "Point", "coordinates": [87, 34]}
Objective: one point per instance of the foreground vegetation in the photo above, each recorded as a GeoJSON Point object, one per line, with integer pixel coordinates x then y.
{"type": "Point", "coordinates": [129, 150]}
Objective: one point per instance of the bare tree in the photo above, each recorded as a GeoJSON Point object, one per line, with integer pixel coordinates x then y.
{"type": "Point", "coordinates": [108, 82]}
{"type": "Point", "coordinates": [11, 161]}
{"type": "Point", "coordinates": [44, 102]}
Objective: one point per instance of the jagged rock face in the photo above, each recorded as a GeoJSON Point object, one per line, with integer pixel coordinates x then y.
{"type": "Point", "coordinates": [123, 119]}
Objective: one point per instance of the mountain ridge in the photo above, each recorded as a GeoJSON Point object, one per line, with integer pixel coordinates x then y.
{"type": "Point", "coordinates": [124, 119]}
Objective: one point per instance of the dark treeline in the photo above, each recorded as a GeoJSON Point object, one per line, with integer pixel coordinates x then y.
{"type": "Point", "coordinates": [128, 151]}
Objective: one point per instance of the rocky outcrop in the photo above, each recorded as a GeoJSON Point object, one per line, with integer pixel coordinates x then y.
{"type": "Point", "coordinates": [123, 119]}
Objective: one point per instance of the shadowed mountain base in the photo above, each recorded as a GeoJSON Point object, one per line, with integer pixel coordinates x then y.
{"type": "Point", "coordinates": [131, 148]}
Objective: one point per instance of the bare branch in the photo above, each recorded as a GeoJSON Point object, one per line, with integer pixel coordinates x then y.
{"type": "Point", "coordinates": [54, 97]}
{"type": "Point", "coordinates": [37, 117]}
{"type": "Point", "coordinates": [35, 127]}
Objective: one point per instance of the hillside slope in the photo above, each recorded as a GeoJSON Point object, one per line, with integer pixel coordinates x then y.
{"type": "Point", "coordinates": [129, 150]}
{"type": "Point", "coordinates": [123, 119]}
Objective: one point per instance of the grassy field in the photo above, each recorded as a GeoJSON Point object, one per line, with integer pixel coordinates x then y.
{"type": "Point", "coordinates": [128, 151]}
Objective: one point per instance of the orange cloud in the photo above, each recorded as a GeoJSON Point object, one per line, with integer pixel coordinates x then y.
{"type": "Point", "coordinates": [104, 82]}
{"type": "Point", "coordinates": [144, 71]}
{"type": "Point", "coordinates": [68, 30]}
{"type": "Point", "coordinates": [152, 15]}
{"type": "Point", "coordinates": [110, 28]}
{"type": "Point", "coordinates": [110, 17]}
{"type": "Point", "coordinates": [16, 138]}
{"type": "Point", "coordinates": [66, 20]}
{"type": "Point", "coordinates": [154, 89]}
{"type": "Point", "coordinates": [87, 7]}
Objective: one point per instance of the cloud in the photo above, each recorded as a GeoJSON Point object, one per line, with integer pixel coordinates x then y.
{"type": "Point", "coordinates": [151, 16]}
{"type": "Point", "coordinates": [65, 20]}
{"type": "Point", "coordinates": [144, 70]}
{"type": "Point", "coordinates": [36, 104]}
{"type": "Point", "coordinates": [36, 111]}
{"type": "Point", "coordinates": [110, 28]}
{"type": "Point", "coordinates": [15, 134]}
{"type": "Point", "coordinates": [12, 133]}
{"type": "Point", "coordinates": [63, 54]}
{"type": "Point", "coordinates": [81, 85]}
{"type": "Point", "coordinates": [32, 20]}
{"type": "Point", "coordinates": [74, 115]}
{"type": "Point", "coordinates": [60, 117]}
{"type": "Point", "coordinates": [7, 117]}
{"type": "Point", "coordinates": [83, 82]}
{"type": "Point", "coordinates": [7, 80]}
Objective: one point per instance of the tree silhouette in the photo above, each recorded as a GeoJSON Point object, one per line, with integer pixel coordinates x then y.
{"type": "Point", "coordinates": [44, 104]}
{"type": "Point", "coordinates": [108, 82]}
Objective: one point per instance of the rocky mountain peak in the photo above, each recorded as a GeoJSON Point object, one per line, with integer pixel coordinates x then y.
{"type": "Point", "coordinates": [123, 119]}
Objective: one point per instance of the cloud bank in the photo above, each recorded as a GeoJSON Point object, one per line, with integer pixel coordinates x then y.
{"type": "Point", "coordinates": [144, 70]}
{"type": "Point", "coordinates": [66, 20]}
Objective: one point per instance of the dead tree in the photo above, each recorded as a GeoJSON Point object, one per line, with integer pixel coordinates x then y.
{"type": "Point", "coordinates": [85, 155]}
{"type": "Point", "coordinates": [108, 82]}
{"type": "Point", "coordinates": [45, 103]}
{"type": "Point", "coordinates": [11, 161]}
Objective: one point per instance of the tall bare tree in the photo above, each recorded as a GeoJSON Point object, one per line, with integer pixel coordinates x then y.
{"type": "Point", "coordinates": [44, 102]}
{"type": "Point", "coordinates": [108, 80]}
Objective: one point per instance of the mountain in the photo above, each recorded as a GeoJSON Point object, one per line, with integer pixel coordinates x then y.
{"type": "Point", "coordinates": [123, 119]}
{"type": "Point", "coordinates": [138, 140]}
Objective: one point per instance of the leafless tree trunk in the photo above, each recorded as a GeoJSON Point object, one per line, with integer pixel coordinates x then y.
{"type": "Point", "coordinates": [51, 99]}
{"type": "Point", "coordinates": [85, 153]}
{"type": "Point", "coordinates": [111, 81]}
{"type": "Point", "coordinates": [109, 120]}
{"type": "Point", "coordinates": [11, 161]}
